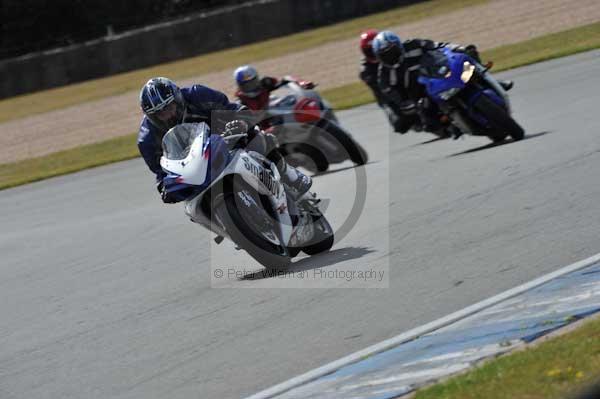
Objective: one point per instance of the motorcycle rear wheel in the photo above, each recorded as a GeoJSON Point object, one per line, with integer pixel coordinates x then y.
{"type": "Point", "coordinates": [317, 162]}
{"type": "Point", "coordinates": [356, 152]}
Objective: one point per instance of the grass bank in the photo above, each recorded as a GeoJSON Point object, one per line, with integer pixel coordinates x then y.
{"type": "Point", "coordinates": [48, 100]}
{"type": "Point", "coordinates": [554, 369]}
{"type": "Point", "coordinates": [122, 148]}
{"type": "Point", "coordinates": [68, 161]}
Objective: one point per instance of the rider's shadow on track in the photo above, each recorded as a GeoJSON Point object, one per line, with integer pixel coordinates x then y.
{"type": "Point", "coordinates": [492, 145]}
{"type": "Point", "coordinates": [315, 262]}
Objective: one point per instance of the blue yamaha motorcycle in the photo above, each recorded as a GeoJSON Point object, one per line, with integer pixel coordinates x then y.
{"type": "Point", "coordinates": [468, 97]}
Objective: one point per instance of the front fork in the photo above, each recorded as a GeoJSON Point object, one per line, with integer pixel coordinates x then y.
{"type": "Point", "coordinates": [454, 109]}
{"type": "Point", "coordinates": [457, 105]}
{"type": "Point", "coordinates": [489, 79]}
{"type": "Point", "coordinates": [460, 122]}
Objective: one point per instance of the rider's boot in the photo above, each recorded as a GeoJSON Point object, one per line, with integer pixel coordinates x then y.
{"type": "Point", "coordinates": [506, 84]}
{"type": "Point", "coordinates": [429, 119]}
{"type": "Point", "coordinates": [454, 132]}
{"type": "Point", "coordinates": [297, 182]}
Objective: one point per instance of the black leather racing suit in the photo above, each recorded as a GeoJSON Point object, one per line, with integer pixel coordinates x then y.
{"type": "Point", "coordinates": [368, 74]}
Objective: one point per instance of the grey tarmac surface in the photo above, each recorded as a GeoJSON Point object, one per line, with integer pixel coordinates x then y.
{"type": "Point", "coordinates": [106, 293]}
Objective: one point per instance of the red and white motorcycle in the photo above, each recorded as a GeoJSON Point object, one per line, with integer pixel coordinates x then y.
{"type": "Point", "coordinates": [308, 131]}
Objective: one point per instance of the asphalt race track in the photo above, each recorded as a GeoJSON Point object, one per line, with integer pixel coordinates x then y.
{"type": "Point", "coordinates": [106, 293]}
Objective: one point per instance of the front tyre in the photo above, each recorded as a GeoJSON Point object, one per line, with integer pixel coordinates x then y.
{"type": "Point", "coordinates": [323, 239]}
{"type": "Point", "coordinates": [502, 123]}
{"type": "Point", "coordinates": [251, 227]}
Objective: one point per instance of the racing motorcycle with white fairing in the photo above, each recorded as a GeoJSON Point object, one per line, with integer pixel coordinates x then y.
{"type": "Point", "coordinates": [238, 194]}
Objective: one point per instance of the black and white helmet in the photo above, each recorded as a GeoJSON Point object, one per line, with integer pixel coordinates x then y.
{"type": "Point", "coordinates": [156, 98]}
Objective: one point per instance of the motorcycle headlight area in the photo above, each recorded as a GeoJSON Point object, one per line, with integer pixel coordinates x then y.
{"type": "Point", "coordinates": [445, 95]}
{"type": "Point", "coordinates": [468, 71]}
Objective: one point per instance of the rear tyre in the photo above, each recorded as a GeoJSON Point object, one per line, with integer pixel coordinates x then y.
{"type": "Point", "coordinates": [502, 123]}
{"type": "Point", "coordinates": [317, 160]}
{"type": "Point", "coordinates": [255, 232]}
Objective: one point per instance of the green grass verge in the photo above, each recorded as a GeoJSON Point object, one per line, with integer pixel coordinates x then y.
{"type": "Point", "coordinates": [68, 161]}
{"type": "Point", "coordinates": [506, 57]}
{"type": "Point", "coordinates": [553, 369]}
{"type": "Point", "coordinates": [44, 101]}
{"type": "Point", "coordinates": [543, 48]}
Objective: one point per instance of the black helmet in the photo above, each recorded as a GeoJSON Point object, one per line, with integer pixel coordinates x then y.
{"type": "Point", "coordinates": [156, 98]}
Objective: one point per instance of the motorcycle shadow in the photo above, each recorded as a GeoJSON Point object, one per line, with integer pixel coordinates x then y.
{"type": "Point", "coordinates": [331, 171]}
{"type": "Point", "coordinates": [433, 140]}
{"type": "Point", "coordinates": [492, 145]}
{"type": "Point", "coordinates": [323, 260]}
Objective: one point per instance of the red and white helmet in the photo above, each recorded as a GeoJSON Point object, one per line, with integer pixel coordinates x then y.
{"type": "Point", "coordinates": [366, 44]}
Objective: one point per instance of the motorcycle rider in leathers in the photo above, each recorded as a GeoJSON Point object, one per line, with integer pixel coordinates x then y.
{"type": "Point", "coordinates": [253, 91]}
{"type": "Point", "coordinates": [369, 69]}
{"type": "Point", "coordinates": [398, 70]}
{"type": "Point", "coordinates": [165, 105]}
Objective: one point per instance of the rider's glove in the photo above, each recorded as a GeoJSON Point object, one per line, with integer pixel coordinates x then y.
{"type": "Point", "coordinates": [470, 50]}
{"type": "Point", "coordinates": [307, 84]}
{"type": "Point", "coordinates": [159, 186]}
{"type": "Point", "coordinates": [423, 104]}
{"type": "Point", "coordinates": [235, 128]}
{"type": "Point", "coordinates": [167, 197]}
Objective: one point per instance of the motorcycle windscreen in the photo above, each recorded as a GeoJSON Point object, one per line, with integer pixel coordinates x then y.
{"type": "Point", "coordinates": [178, 141]}
{"type": "Point", "coordinates": [434, 64]}
{"type": "Point", "coordinates": [186, 153]}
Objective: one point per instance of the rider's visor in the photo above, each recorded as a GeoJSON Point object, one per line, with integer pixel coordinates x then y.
{"type": "Point", "coordinates": [167, 112]}
{"type": "Point", "coordinates": [392, 56]}
{"type": "Point", "coordinates": [250, 88]}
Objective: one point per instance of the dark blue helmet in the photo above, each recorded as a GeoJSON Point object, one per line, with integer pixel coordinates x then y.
{"type": "Point", "coordinates": [162, 102]}
{"type": "Point", "coordinates": [388, 48]}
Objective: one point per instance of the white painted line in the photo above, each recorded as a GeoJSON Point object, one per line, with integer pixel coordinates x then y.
{"type": "Point", "coordinates": [417, 332]}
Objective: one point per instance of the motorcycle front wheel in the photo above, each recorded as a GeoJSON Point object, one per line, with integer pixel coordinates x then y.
{"type": "Point", "coordinates": [323, 239]}
{"type": "Point", "coordinates": [502, 123]}
{"type": "Point", "coordinates": [256, 233]}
